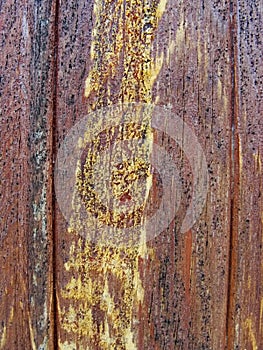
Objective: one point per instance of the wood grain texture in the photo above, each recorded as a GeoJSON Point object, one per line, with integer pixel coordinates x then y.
{"type": "Point", "coordinates": [59, 62]}
{"type": "Point", "coordinates": [246, 301]}
{"type": "Point", "coordinates": [167, 53]}
{"type": "Point", "coordinates": [26, 61]}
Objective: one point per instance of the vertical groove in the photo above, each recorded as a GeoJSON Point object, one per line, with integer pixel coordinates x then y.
{"type": "Point", "coordinates": [53, 151]}
{"type": "Point", "coordinates": [234, 181]}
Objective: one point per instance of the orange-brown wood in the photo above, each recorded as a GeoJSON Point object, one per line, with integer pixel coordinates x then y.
{"type": "Point", "coordinates": [26, 90]}
{"type": "Point", "coordinates": [245, 290]}
{"type": "Point", "coordinates": [185, 277]}
{"type": "Point", "coordinates": [196, 289]}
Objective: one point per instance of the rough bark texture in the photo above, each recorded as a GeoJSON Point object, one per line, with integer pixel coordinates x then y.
{"type": "Point", "coordinates": [201, 289]}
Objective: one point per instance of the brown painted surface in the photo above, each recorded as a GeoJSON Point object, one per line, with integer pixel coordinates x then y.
{"type": "Point", "coordinates": [201, 289]}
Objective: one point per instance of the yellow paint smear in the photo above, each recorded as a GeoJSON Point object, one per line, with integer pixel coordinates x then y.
{"type": "Point", "coordinates": [251, 334]}
{"type": "Point", "coordinates": [180, 34]}
{"type": "Point", "coordinates": [127, 50]}
{"type": "Point", "coordinates": [161, 8]}
{"type": "Point", "coordinates": [258, 163]}
{"type": "Point", "coordinates": [106, 279]}
{"type": "Point", "coordinates": [170, 51]}
{"type": "Point", "coordinates": [4, 335]}
{"type": "Point", "coordinates": [3, 338]}
{"type": "Point", "coordinates": [203, 58]}
{"type": "Point", "coordinates": [33, 344]}
{"type": "Point", "coordinates": [261, 316]}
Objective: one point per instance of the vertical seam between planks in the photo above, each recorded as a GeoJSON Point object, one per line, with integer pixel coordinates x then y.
{"type": "Point", "coordinates": [234, 180]}
{"type": "Point", "coordinates": [53, 151]}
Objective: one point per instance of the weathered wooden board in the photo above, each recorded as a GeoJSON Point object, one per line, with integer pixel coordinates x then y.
{"type": "Point", "coordinates": [26, 90]}
{"type": "Point", "coordinates": [199, 63]}
{"type": "Point", "coordinates": [246, 294]}
{"type": "Point", "coordinates": [171, 294]}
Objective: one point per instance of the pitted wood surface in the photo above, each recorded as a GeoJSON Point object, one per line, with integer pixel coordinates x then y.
{"type": "Point", "coordinates": [201, 289]}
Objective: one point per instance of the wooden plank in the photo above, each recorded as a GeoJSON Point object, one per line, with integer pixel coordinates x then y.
{"type": "Point", "coordinates": [26, 61]}
{"type": "Point", "coordinates": [246, 295]}
{"type": "Point", "coordinates": [172, 292]}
